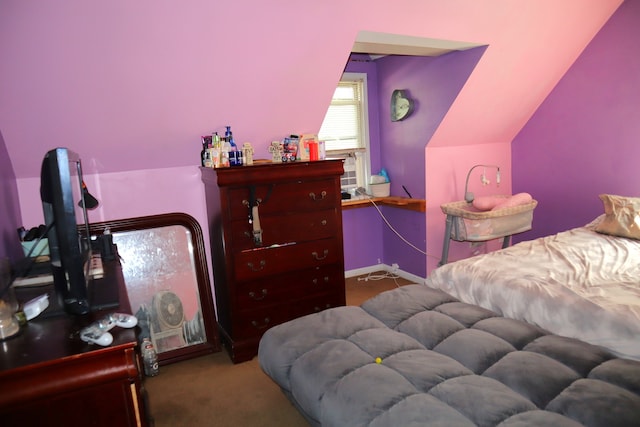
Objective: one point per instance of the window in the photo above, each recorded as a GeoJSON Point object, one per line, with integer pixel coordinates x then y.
{"type": "Point", "coordinates": [345, 130]}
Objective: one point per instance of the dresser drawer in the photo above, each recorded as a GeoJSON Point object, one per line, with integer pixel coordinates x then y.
{"type": "Point", "coordinates": [315, 305]}
{"type": "Point", "coordinates": [283, 229]}
{"type": "Point", "coordinates": [255, 322]}
{"type": "Point", "coordinates": [262, 262]}
{"type": "Point", "coordinates": [278, 198]}
{"type": "Point", "coordinates": [290, 286]}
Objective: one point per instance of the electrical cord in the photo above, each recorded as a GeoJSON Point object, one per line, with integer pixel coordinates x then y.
{"type": "Point", "coordinates": [362, 192]}
{"type": "Point", "coordinates": [380, 276]}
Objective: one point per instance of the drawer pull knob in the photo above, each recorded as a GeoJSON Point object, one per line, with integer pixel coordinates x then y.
{"type": "Point", "coordinates": [260, 297]}
{"type": "Point", "coordinates": [264, 324]}
{"type": "Point", "coordinates": [318, 257]}
{"type": "Point", "coordinates": [313, 196]}
{"type": "Point", "coordinates": [323, 222]}
{"type": "Point", "coordinates": [245, 202]}
{"type": "Point", "coordinates": [315, 280]}
{"type": "Point", "coordinates": [253, 267]}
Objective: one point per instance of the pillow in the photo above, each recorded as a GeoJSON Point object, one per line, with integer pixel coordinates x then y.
{"type": "Point", "coordinates": [622, 216]}
{"type": "Point", "coordinates": [486, 203]}
{"type": "Point", "coordinates": [513, 201]}
{"type": "Point", "coordinates": [492, 203]}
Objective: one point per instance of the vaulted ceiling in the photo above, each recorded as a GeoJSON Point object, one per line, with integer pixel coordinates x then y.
{"type": "Point", "coordinates": [133, 85]}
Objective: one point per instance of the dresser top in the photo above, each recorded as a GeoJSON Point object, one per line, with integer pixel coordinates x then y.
{"type": "Point", "coordinates": [272, 172]}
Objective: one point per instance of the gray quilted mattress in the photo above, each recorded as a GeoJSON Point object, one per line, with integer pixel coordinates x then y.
{"type": "Point", "coordinates": [416, 356]}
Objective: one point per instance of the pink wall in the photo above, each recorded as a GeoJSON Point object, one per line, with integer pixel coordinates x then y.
{"type": "Point", "coordinates": [446, 173]}
{"type": "Point", "coordinates": [132, 85]}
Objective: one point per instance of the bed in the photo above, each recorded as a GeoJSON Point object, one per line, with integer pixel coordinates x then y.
{"type": "Point", "coordinates": [582, 283]}
{"type": "Point", "coordinates": [417, 356]}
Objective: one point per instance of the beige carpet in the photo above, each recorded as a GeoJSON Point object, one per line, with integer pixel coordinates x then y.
{"type": "Point", "coordinates": [211, 391]}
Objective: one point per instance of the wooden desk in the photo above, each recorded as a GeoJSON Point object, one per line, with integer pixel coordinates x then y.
{"type": "Point", "coordinates": [418, 205]}
{"type": "Point", "coordinates": [50, 377]}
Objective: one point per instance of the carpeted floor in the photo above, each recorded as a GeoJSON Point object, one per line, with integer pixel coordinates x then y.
{"type": "Point", "coordinates": [212, 391]}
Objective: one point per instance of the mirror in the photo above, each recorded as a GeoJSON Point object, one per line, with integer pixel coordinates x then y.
{"type": "Point", "coordinates": [165, 271]}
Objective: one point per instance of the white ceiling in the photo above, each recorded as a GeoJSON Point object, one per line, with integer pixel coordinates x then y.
{"type": "Point", "coordinates": [380, 44]}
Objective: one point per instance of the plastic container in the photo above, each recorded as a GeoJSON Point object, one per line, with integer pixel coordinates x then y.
{"type": "Point", "coordinates": [381, 190]}
{"type": "Point", "coordinates": [41, 249]}
{"type": "Point", "coordinates": [149, 358]}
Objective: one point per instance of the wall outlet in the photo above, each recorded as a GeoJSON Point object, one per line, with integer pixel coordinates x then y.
{"type": "Point", "coordinates": [395, 267]}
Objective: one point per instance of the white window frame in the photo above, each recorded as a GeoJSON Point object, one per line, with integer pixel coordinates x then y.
{"type": "Point", "coordinates": [356, 159]}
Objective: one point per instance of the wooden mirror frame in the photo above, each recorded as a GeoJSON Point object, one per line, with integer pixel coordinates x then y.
{"type": "Point", "coordinates": [212, 341]}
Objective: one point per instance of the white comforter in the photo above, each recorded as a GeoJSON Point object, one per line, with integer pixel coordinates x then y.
{"type": "Point", "coordinates": [577, 283]}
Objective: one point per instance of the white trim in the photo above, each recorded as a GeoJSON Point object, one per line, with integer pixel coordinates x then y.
{"type": "Point", "coordinates": [384, 267]}
{"type": "Point", "coordinates": [364, 171]}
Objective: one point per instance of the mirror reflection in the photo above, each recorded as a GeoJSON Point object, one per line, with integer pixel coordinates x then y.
{"type": "Point", "coordinates": [165, 271]}
{"type": "Point", "coordinates": [157, 265]}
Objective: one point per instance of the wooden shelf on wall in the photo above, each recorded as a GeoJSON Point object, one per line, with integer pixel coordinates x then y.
{"type": "Point", "coordinates": [418, 205]}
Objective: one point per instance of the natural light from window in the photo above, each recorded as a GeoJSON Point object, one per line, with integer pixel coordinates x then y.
{"type": "Point", "coordinates": [345, 130]}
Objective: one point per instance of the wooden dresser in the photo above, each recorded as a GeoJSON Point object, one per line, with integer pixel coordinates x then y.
{"type": "Point", "coordinates": [50, 377]}
{"type": "Point", "coordinates": [276, 243]}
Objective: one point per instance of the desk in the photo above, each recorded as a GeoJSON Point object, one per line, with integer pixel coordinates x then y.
{"type": "Point", "coordinates": [418, 205]}
{"type": "Point", "coordinates": [49, 377]}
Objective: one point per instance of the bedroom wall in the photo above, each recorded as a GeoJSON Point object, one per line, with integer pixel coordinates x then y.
{"type": "Point", "coordinates": [584, 138]}
{"type": "Point", "coordinates": [10, 218]}
{"type": "Point", "coordinates": [131, 86]}
{"type": "Point", "coordinates": [433, 84]}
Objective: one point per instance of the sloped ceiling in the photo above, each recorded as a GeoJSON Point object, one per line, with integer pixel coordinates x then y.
{"type": "Point", "coordinates": [133, 85]}
{"type": "Point", "coordinates": [380, 44]}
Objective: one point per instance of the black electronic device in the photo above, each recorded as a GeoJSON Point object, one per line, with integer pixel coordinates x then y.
{"type": "Point", "coordinates": [64, 203]}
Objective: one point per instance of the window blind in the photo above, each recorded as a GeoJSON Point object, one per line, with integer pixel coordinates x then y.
{"type": "Point", "coordinates": [341, 129]}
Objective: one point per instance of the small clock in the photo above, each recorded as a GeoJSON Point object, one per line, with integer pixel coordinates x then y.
{"type": "Point", "coordinates": [401, 105]}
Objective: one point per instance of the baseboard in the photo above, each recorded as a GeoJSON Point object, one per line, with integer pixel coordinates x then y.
{"type": "Point", "coordinates": [384, 267]}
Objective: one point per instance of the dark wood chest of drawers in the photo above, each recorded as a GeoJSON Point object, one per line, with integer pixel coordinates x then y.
{"type": "Point", "coordinates": [276, 243]}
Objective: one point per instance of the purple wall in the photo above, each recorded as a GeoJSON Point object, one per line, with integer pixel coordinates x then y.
{"type": "Point", "coordinates": [9, 207]}
{"type": "Point", "coordinates": [433, 83]}
{"type": "Point", "coordinates": [585, 138]}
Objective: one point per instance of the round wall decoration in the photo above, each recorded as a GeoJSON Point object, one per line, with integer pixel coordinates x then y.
{"type": "Point", "coordinates": [401, 105]}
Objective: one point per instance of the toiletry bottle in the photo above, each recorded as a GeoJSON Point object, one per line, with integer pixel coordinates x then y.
{"type": "Point", "coordinates": [216, 150]}
{"type": "Point", "coordinates": [208, 161]}
{"type": "Point", "coordinates": [229, 137]}
{"type": "Point", "coordinates": [224, 154]}
{"type": "Point", "coordinates": [203, 153]}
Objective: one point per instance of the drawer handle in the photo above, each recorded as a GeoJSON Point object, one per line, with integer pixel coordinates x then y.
{"type": "Point", "coordinates": [313, 196]}
{"type": "Point", "coordinates": [245, 202]}
{"type": "Point", "coordinates": [253, 267]}
{"type": "Point", "coordinates": [323, 222]}
{"type": "Point", "coordinates": [315, 280]}
{"type": "Point", "coordinates": [318, 257]}
{"type": "Point", "coordinates": [263, 325]}
{"type": "Point", "coordinates": [260, 297]}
